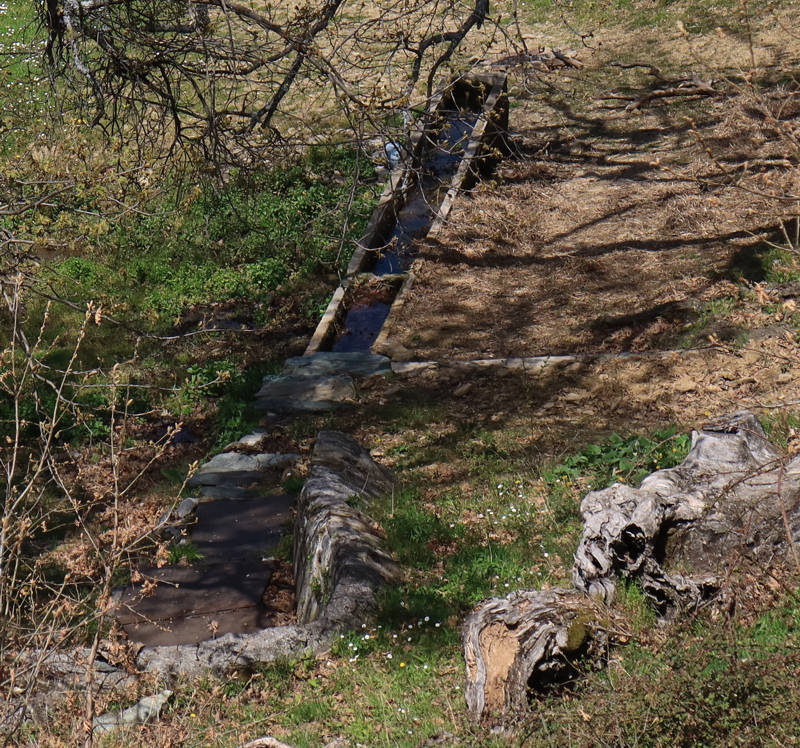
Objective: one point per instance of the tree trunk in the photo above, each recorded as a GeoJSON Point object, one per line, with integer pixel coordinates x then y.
{"type": "Point", "coordinates": [529, 640]}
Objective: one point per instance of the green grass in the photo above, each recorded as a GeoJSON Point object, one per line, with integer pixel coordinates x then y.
{"type": "Point", "coordinates": [508, 532]}
{"type": "Point", "coordinates": [781, 426]}
{"type": "Point", "coordinates": [257, 235]}
{"type": "Point", "coordinates": [22, 79]}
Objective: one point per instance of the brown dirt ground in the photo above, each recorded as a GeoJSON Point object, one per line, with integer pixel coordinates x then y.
{"type": "Point", "coordinates": [610, 230]}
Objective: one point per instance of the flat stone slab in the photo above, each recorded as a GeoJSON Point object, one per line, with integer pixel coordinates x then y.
{"type": "Point", "coordinates": [301, 393]}
{"type": "Point", "coordinates": [195, 603]}
{"type": "Point", "coordinates": [221, 592]}
{"type": "Point", "coordinates": [356, 364]}
{"type": "Point", "coordinates": [228, 530]}
{"type": "Point", "coordinates": [235, 469]}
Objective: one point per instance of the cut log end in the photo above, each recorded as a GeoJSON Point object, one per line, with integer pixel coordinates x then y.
{"type": "Point", "coordinates": [529, 642]}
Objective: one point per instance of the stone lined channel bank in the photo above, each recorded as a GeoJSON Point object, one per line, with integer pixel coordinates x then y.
{"type": "Point", "coordinates": [238, 515]}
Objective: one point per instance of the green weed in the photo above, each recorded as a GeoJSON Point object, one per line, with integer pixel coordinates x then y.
{"type": "Point", "coordinates": [187, 551]}
{"type": "Point", "coordinates": [619, 459]}
{"type": "Point", "coordinates": [781, 426]}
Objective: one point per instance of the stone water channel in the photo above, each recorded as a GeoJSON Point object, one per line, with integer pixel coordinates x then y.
{"type": "Point", "coordinates": [461, 139]}
{"type": "Point", "coordinates": [238, 513]}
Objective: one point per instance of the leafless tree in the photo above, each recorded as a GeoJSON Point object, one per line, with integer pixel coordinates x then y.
{"type": "Point", "coordinates": [229, 81]}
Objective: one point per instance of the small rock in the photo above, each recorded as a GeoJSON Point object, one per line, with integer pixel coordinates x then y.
{"type": "Point", "coordinates": [146, 710]}
{"type": "Point", "coordinates": [255, 442]}
{"type": "Point", "coordinates": [685, 384]}
{"type": "Point", "coordinates": [462, 389]}
{"type": "Point", "coordinates": [398, 352]}
{"type": "Point", "coordinates": [186, 507]}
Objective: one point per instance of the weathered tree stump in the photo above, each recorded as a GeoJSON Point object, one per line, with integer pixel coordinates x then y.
{"type": "Point", "coordinates": [529, 640]}
{"type": "Point", "coordinates": [733, 502]}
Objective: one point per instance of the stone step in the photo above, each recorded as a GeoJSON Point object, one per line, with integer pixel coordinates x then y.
{"type": "Point", "coordinates": [240, 470]}
{"type": "Point", "coordinates": [304, 393]}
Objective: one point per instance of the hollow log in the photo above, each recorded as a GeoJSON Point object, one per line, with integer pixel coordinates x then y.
{"type": "Point", "coordinates": [528, 641]}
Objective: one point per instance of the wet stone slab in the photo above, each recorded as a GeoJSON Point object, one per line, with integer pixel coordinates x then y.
{"type": "Point", "coordinates": [241, 529]}
{"type": "Point", "coordinates": [195, 603]}
{"type": "Point", "coordinates": [300, 393]}
{"type": "Point", "coordinates": [221, 592]}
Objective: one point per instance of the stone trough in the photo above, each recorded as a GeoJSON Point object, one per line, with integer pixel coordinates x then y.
{"type": "Point", "coordinates": [461, 136]}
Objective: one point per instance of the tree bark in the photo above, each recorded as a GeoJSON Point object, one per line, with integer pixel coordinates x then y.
{"type": "Point", "coordinates": [530, 640]}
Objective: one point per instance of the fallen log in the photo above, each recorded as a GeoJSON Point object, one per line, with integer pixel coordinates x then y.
{"type": "Point", "coordinates": [664, 88]}
{"type": "Point", "coordinates": [530, 640]}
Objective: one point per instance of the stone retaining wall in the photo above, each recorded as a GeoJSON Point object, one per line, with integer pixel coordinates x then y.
{"type": "Point", "coordinates": [339, 564]}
